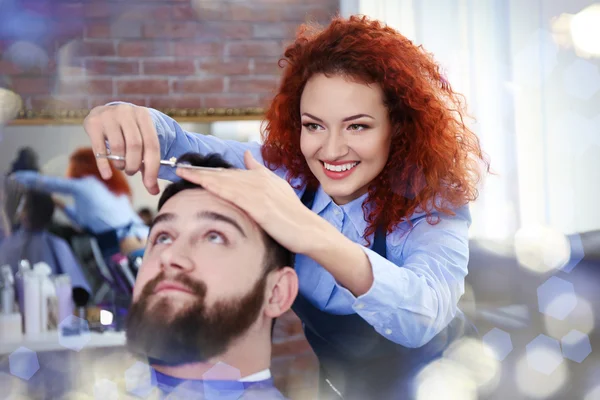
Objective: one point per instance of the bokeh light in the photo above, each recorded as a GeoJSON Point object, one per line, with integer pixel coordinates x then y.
{"type": "Point", "coordinates": [537, 385]}
{"type": "Point", "coordinates": [10, 105]}
{"type": "Point", "coordinates": [581, 318]}
{"type": "Point", "coordinates": [445, 379]}
{"type": "Point", "coordinates": [541, 249]}
{"type": "Point", "coordinates": [478, 359]}
{"type": "Point", "coordinates": [556, 298]}
{"type": "Point", "coordinates": [26, 56]}
{"type": "Point", "coordinates": [585, 30]}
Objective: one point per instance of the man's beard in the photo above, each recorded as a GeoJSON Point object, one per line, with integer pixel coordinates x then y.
{"type": "Point", "coordinates": [195, 333]}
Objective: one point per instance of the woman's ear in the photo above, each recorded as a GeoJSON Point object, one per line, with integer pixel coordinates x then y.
{"type": "Point", "coordinates": [282, 289]}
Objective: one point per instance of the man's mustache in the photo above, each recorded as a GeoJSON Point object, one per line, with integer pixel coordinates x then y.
{"type": "Point", "coordinates": [194, 286]}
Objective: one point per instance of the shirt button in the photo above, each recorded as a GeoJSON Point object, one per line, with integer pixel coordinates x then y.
{"type": "Point", "coordinates": [360, 306]}
{"type": "Point", "coordinates": [388, 331]}
{"type": "Point", "coordinates": [337, 211]}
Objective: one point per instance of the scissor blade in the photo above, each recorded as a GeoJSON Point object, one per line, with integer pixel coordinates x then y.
{"type": "Point", "coordinates": [162, 162]}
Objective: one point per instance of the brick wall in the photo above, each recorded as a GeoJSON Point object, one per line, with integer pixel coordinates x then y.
{"type": "Point", "coordinates": [163, 54]}
{"type": "Point", "coordinates": [172, 53]}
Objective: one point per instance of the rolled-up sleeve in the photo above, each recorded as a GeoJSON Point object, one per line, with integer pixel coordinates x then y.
{"type": "Point", "coordinates": [415, 291]}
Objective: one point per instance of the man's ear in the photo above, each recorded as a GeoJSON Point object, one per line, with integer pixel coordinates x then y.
{"type": "Point", "coordinates": [282, 289]}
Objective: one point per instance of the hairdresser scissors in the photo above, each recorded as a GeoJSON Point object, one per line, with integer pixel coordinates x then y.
{"type": "Point", "coordinates": [172, 162]}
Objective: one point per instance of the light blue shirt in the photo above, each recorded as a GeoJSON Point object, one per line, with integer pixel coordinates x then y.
{"type": "Point", "coordinates": [416, 290]}
{"type": "Point", "coordinates": [95, 207]}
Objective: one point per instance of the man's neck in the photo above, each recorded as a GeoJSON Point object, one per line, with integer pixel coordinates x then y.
{"type": "Point", "coordinates": [246, 356]}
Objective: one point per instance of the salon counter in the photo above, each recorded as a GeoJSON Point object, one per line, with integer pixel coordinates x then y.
{"type": "Point", "coordinates": [49, 341]}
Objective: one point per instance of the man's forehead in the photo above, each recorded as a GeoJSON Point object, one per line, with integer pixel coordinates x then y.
{"type": "Point", "coordinates": [190, 202]}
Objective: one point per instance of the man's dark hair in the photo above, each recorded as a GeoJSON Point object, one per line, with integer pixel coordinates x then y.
{"type": "Point", "coordinates": [276, 256]}
{"type": "Point", "coordinates": [39, 208]}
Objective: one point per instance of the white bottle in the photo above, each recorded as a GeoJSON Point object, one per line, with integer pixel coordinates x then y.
{"type": "Point", "coordinates": [47, 291]}
{"type": "Point", "coordinates": [32, 291]}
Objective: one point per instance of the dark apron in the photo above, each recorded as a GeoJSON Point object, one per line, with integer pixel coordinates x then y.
{"type": "Point", "coordinates": [355, 361]}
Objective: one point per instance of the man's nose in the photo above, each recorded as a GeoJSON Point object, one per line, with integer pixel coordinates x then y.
{"type": "Point", "coordinates": [176, 256]}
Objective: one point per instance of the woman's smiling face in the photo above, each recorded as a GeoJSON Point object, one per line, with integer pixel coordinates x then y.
{"type": "Point", "coordinates": [345, 135]}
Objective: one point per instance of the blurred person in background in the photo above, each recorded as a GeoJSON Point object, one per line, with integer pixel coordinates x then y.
{"type": "Point", "coordinates": [32, 241]}
{"type": "Point", "coordinates": [26, 160]}
{"type": "Point", "coordinates": [100, 206]}
{"type": "Point", "coordinates": [146, 215]}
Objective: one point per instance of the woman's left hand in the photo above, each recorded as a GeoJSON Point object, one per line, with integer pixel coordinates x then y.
{"type": "Point", "coordinates": [268, 199]}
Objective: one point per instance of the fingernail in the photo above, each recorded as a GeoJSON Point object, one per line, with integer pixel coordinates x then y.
{"type": "Point", "coordinates": [105, 172]}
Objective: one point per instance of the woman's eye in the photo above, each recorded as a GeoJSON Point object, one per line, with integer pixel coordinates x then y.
{"type": "Point", "coordinates": [311, 126]}
{"type": "Point", "coordinates": [162, 238]}
{"type": "Point", "coordinates": [216, 238]}
{"type": "Point", "coordinates": [357, 127]}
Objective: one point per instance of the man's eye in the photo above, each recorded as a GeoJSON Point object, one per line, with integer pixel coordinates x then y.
{"type": "Point", "coordinates": [162, 238]}
{"type": "Point", "coordinates": [216, 238]}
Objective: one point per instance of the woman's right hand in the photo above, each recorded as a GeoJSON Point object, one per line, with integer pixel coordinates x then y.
{"type": "Point", "coordinates": [129, 131]}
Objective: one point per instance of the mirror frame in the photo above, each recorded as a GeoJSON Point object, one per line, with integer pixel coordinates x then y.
{"type": "Point", "coordinates": [199, 115]}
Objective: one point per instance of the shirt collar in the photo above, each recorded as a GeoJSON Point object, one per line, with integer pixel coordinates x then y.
{"type": "Point", "coordinates": [259, 376]}
{"type": "Point", "coordinates": [353, 210]}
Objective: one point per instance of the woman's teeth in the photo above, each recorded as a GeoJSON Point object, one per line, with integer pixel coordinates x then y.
{"type": "Point", "coordinates": [340, 168]}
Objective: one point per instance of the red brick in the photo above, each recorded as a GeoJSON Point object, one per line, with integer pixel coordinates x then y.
{"type": "Point", "coordinates": [174, 30]}
{"type": "Point", "coordinates": [167, 67]}
{"type": "Point", "coordinates": [198, 85]}
{"type": "Point", "coordinates": [264, 66]}
{"type": "Point", "coordinates": [143, 49]}
{"type": "Point", "coordinates": [254, 48]}
{"type": "Point", "coordinates": [231, 30]}
{"type": "Point", "coordinates": [226, 100]}
{"type": "Point", "coordinates": [291, 347]}
{"type": "Point", "coordinates": [265, 100]}
{"type": "Point", "coordinates": [85, 86]}
{"type": "Point", "coordinates": [112, 67]}
{"type": "Point", "coordinates": [99, 9]}
{"type": "Point", "coordinates": [279, 30]}
{"type": "Point", "coordinates": [253, 84]}
{"type": "Point", "coordinates": [254, 12]}
{"type": "Point", "coordinates": [117, 29]}
{"type": "Point", "coordinates": [100, 101]}
{"type": "Point", "coordinates": [97, 30]}
{"type": "Point", "coordinates": [197, 11]}
{"type": "Point", "coordinates": [143, 86]}
{"type": "Point", "coordinates": [137, 11]}
{"type": "Point", "coordinates": [59, 103]}
{"type": "Point", "coordinates": [31, 85]}
{"type": "Point", "coordinates": [7, 67]}
{"type": "Point", "coordinates": [233, 66]}
{"type": "Point", "coordinates": [175, 102]}
{"type": "Point", "coordinates": [95, 48]}
{"type": "Point", "coordinates": [195, 49]}
{"type": "Point", "coordinates": [302, 13]}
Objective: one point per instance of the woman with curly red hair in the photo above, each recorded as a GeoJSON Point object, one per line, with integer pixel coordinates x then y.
{"type": "Point", "coordinates": [100, 206]}
{"type": "Point", "coordinates": [371, 139]}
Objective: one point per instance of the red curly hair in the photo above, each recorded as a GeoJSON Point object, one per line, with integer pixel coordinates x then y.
{"type": "Point", "coordinates": [433, 156]}
{"type": "Point", "coordinates": [83, 163]}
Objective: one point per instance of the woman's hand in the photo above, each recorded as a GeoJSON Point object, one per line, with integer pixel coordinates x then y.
{"type": "Point", "coordinates": [269, 200]}
{"type": "Point", "coordinates": [130, 132]}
